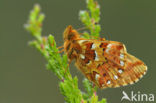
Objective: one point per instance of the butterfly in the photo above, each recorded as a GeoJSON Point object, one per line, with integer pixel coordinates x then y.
{"type": "Point", "coordinates": [105, 63]}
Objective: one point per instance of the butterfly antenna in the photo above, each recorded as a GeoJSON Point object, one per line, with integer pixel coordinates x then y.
{"type": "Point", "coordinates": [108, 34]}
{"type": "Point", "coordinates": [83, 28]}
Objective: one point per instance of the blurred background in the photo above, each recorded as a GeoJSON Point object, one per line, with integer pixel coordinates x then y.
{"type": "Point", "coordinates": [23, 75]}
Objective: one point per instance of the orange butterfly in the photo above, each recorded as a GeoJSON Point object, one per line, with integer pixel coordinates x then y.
{"type": "Point", "coordinates": [105, 63]}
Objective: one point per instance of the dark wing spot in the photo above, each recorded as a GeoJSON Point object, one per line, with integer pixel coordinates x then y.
{"type": "Point", "coordinates": [90, 54]}
{"type": "Point", "coordinates": [74, 41]}
{"type": "Point", "coordinates": [103, 51]}
{"type": "Point", "coordinates": [120, 47]}
{"type": "Point", "coordinates": [89, 45]}
{"type": "Point", "coordinates": [94, 55]}
{"type": "Point", "coordinates": [98, 66]}
{"type": "Point", "coordinates": [86, 60]}
{"type": "Point", "coordinates": [104, 74]}
{"type": "Point", "coordinates": [103, 45]}
{"type": "Point", "coordinates": [106, 60]}
{"type": "Point", "coordinates": [120, 69]}
{"type": "Point", "coordinates": [103, 63]}
{"type": "Point", "coordinates": [78, 51]}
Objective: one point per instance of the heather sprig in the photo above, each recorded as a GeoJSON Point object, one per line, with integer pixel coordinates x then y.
{"type": "Point", "coordinates": [58, 63]}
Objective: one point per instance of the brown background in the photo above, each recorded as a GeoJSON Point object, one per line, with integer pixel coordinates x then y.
{"type": "Point", "coordinates": [23, 76]}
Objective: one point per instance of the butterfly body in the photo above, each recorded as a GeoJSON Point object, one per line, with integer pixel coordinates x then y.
{"type": "Point", "coordinates": [105, 63]}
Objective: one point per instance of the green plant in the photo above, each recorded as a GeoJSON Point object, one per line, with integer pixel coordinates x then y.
{"type": "Point", "coordinates": [58, 63]}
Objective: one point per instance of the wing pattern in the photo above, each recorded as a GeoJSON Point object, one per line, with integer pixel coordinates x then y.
{"type": "Point", "coordinates": [107, 63]}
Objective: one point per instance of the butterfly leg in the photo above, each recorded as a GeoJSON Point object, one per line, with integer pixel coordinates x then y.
{"type": "Point", "coordinates": [60, 47]}
{"type": "Point", "coordinates": [82, 28]}
{"type": "Point", "coordinates": [61, 51]}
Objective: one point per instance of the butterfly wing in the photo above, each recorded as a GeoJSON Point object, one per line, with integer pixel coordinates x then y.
{"type": "Point", "coordinates": [107, 63]}
{"type": "Point", "coordinates": [123, 68]}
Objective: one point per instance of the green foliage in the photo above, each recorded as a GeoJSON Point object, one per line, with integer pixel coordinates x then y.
{"type": "Point", "coordinates": [35, 22]}
{"type": "Point", "coordinates": [58, 63]}
{"type": "Point", "coordinates": [89, 89]}
{"type": "Point", "coordinates": [91, 18]}
{"type": "Point", "coordinates": [69, 88]}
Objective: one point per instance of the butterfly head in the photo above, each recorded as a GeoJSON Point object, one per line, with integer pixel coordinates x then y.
{"type": "Point", "coordinates": [70, 34]}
